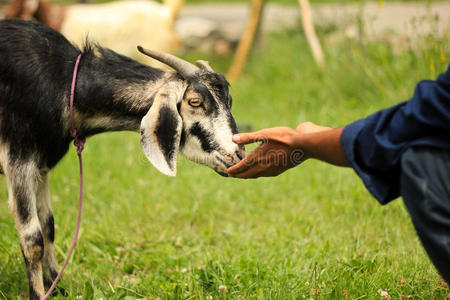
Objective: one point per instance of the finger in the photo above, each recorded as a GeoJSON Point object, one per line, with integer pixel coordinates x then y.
{"type": "Point", "coordinates": [240, 167]}
{"type": "Point", "coordinates": [253, 172]}
{"type": "Point", "coordinates": [249, 137]}
{"type": "Point", "coordinates": [247, 162]}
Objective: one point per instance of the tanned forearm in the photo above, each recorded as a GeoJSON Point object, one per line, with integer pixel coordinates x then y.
{"type": "Point", "coordinates": [324, 145]}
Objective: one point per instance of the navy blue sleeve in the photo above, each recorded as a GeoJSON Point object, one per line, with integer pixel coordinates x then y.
{"type": "Point", "coordinates": [373, 146]}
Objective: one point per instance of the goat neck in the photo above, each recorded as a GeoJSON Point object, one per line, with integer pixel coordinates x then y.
{"type": "Point", "coordinates": [113, 92]}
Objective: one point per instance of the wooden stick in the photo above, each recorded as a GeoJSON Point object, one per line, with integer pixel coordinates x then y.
{"type": "Point", "coordinates": [308, 27]}
{"type": "Point", "coordinates": [246, 41]}
{"type": "Point", "coordinates": [174, 7]}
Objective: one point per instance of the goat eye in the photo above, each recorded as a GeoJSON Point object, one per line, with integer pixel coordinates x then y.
{"type": "Point", "coordinates": [195, 102]}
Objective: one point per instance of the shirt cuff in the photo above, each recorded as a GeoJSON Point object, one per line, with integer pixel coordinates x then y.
{"type": "Point", "coordinates": [348, 137]}
{"type": "Point", "coordinates": [348, 141]}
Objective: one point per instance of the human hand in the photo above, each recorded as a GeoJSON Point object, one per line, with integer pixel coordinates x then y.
{"type": "Point", "coordinates": [310, 127]}
{"type": "Point", "coordinates": [280, 150]}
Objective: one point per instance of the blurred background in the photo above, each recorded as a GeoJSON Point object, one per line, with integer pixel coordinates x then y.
{"type": "Point", "coordinates": [313, 232]}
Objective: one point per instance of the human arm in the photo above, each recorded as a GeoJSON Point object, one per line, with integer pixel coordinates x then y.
{"type": "Point", "coordinates": [373, 146]}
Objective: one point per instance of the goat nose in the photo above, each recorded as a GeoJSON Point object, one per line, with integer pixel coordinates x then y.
{"type": "Point", "coordinates": [240, 153]}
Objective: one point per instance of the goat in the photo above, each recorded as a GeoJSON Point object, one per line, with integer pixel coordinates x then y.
{"type": "Point", "coordinates": [187, 110]}
{"type": "Point", "coordinates": [118, 25]}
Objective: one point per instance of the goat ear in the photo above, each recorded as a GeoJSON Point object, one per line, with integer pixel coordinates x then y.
{"type": "Point", "coordinates": [203, 64]}
{"type": "Point", "coordinates": [161, 133]}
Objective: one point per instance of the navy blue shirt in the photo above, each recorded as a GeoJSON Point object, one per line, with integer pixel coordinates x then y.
{"type": "Point", "coordinates": [374, 145]}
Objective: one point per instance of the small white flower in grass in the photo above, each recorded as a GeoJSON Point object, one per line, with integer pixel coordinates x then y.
{"type": "Point", "coordinates": [79, 297]}
{"type": "Point", "coordinates": [209, 297]}
{"type": "Point", "coordinates": [307, 283]}
{"type": "Point", "coordinates": [184, 270]}
{"type": "Point", "coordinates": [223, 289]}
{"type": "Point", "coordinates": [385, 295]}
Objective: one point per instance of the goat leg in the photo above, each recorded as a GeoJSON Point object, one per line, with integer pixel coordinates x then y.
{"type": "Point", "coordinates": [22, 180]}
{"type": "Point", "coordinates": [49, 265]}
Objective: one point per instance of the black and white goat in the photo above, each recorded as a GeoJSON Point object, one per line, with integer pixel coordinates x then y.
{"type": "Point", "coordinates": [187, 111]}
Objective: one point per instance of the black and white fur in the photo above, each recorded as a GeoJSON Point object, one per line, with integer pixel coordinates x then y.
{"type": "Point", "coordinates": [112, 93]}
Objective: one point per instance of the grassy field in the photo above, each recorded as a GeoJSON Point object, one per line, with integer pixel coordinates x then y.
{"type": "Point", "coordinates": [312, 233]}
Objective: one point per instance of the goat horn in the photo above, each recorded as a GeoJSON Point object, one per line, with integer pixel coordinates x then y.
{"type": "Point", "coordinates": [203, 64]}
{"type": "Point", "coordinates": [186, 69]}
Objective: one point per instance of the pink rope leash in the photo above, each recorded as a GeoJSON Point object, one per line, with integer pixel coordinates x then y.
{"type": "Point", "coordinates": [79, 143]}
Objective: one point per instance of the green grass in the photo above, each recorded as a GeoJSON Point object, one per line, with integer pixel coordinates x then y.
{"type": "Point", "coordinates": [315, 228]}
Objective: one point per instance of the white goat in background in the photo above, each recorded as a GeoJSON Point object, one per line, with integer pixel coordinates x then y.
{"type": "Point", "coordinates": [118, 25]}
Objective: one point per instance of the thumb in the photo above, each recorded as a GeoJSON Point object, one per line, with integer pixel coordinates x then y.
{"type": "Point", "coordinates": [249, 137]}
